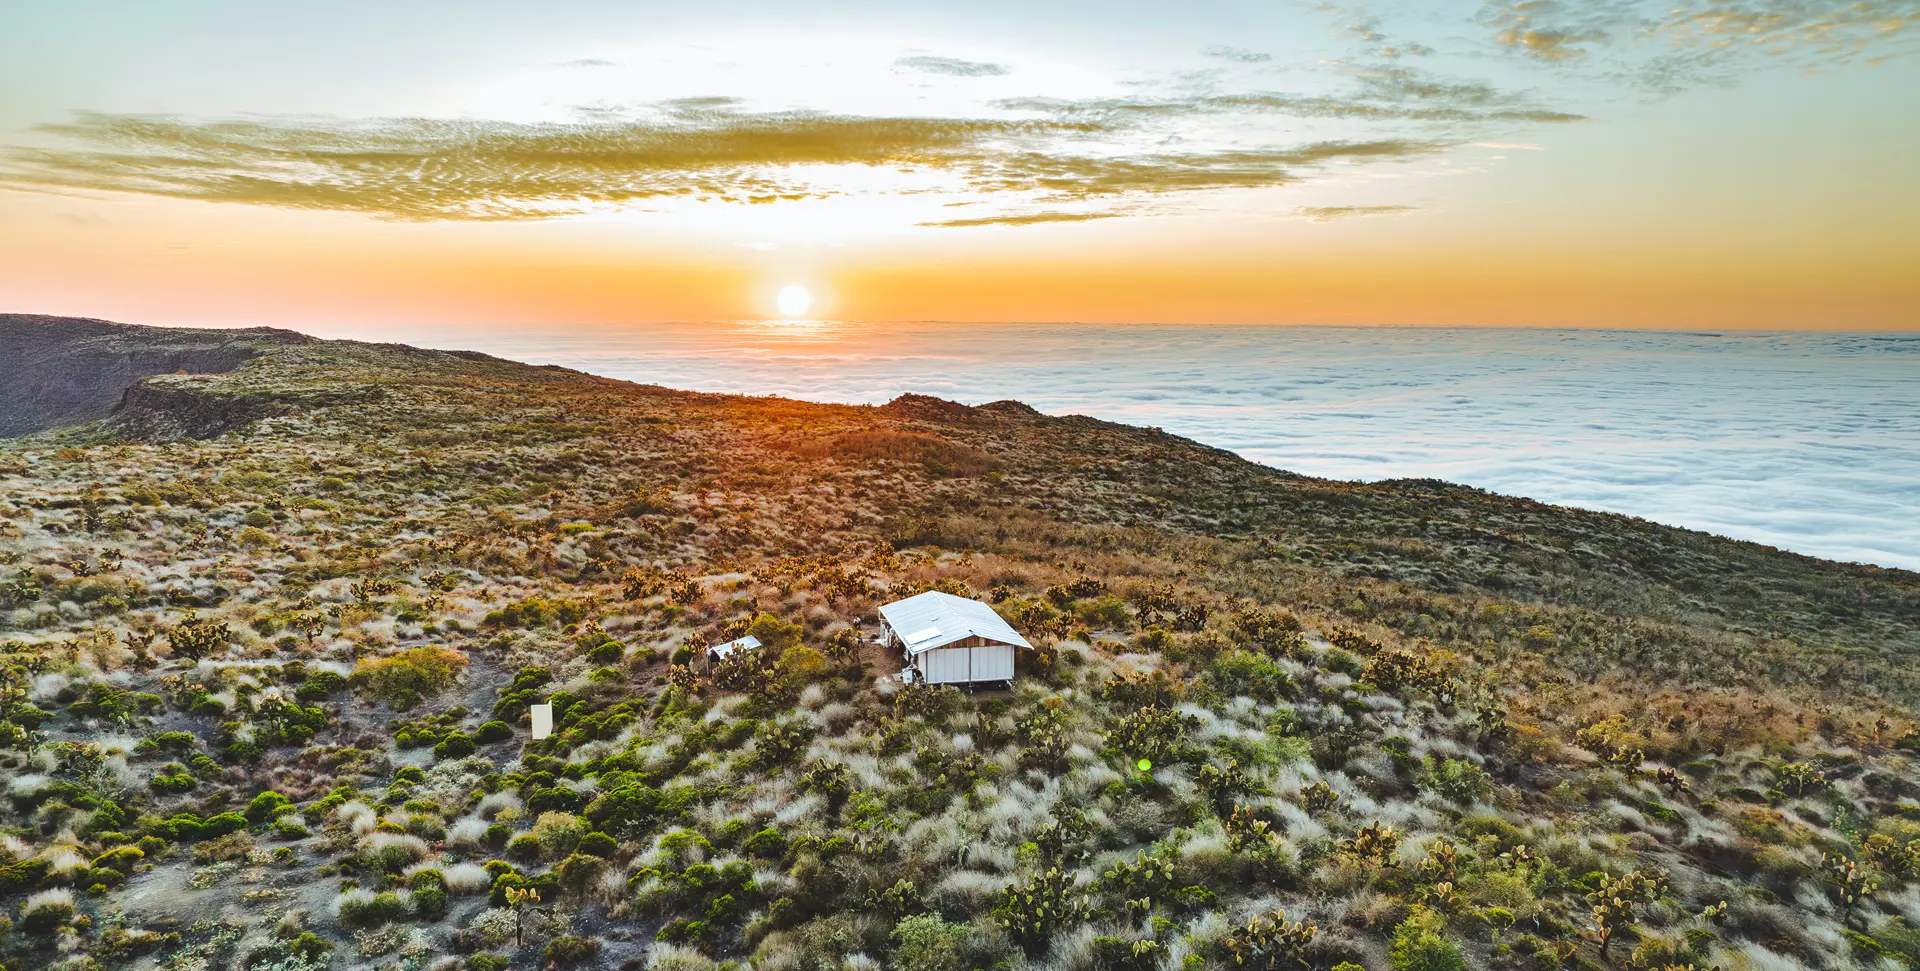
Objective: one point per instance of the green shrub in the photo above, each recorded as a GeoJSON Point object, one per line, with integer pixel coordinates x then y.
{"type": "Point", "coordinates": [1107, 612]}
{"type": "Point", "coordinates": [927, 943]}
{"type": "Point", "coordinates": [405, 678]}
{"type": "Point", "coordinates": [524, 847]}
{"type": "Point", "coordinates": [172, 779]}
{"type": "Point", "coordinates": [558, 833]}
{"type": "Point", "coordinates": [1458, 780]}
{"type": "Point", "coordinates": [569, 949]}
{"type": "Point", "coordinates": [1245, 674]}
{"type": "Point", "coordinates": [767, 844]}
{"type": "Point", "coordinates": [265, 805]}
{"type": "Point", "coordinates": [578, 871]}
{"type": "Point", "coordinates": [367, 910]}
{"type": "Point", "coordinates": [23, 875]}
{"type": "Point", "coordinates": [538, 612]}
{"type": "Point", "coordinates": [309, 945]}
{"type": "Point", "coordinates": [320, 685]}
{"type": "Point", "coordinates": [775, 635]}
{"type": "Point", "coordinates": [455, 746]}
{"type": "Point", "coordinates": [220, 825]}
{"type": "Point", "coordinates": [429, 894]}
{"type": "Point", "coordinates": [173, 741]}
{"type": "Point", "coordinates": [1418, 946]}
{"type": "Point", "coordinates": [598, 844]}
{"type": "Point", "coordinates": [121, 858]}
{"type": "Point", "coordinates": [493, 731]}
{"type": "Point", "coordinates": [46, 910]}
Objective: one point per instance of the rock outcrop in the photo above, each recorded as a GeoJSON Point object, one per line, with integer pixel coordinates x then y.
{"type": "Point", "coordinates": [57, 371]}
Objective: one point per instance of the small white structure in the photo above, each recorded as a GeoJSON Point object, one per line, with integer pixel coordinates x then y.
{"type": "Point", "coordinates": [952, 640]}
{"type": "Point", "coordinates": [720, 652]}
{"type": "Point", "coordinates": [542, 720]}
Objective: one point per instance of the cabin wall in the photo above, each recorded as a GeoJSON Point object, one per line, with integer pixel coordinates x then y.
{"type": "Point", "coordinates": [993, 662]}
{"type": "Point", "coordinates": [961, 665]}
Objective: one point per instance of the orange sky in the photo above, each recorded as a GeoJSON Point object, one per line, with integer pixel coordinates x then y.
{"type": "Point", "coordinates": [1370, 173]}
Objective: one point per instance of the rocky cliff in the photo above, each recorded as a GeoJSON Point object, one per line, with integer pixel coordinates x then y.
{"type": "Point", "coordinates": [64, 371]}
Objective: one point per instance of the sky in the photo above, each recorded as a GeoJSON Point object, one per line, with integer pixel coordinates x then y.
{"type": "Point", "coordinates": [1560, 163]}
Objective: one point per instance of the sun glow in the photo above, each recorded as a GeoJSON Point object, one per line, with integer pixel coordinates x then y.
{"type": "Point", "coordinates": [794, 300]}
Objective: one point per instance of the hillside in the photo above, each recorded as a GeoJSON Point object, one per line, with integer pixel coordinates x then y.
{"type": "Point", "coordinates": [67, 371]}
{"type": "Point", "coordinates": [271, 626]}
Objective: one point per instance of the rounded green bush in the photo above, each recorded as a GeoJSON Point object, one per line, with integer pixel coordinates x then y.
{"type": "Point", "coordinates": [455, 746]}
{"type": "Point", "coordinates": [525, 848]}
{"type": "Point", "coordinates": [598, 844]}
{"type": "Point", "coordinates": [371, 911]}
{"type": "Point", "coordinates": [264, 805]}
{"type": "Point", "coordinates": [570, 949]}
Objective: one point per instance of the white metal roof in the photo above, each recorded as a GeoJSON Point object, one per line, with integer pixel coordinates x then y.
{"type": "Point", "coordinates": [934, 619]}
{"type": "Point", "coordinates": [746, 643]}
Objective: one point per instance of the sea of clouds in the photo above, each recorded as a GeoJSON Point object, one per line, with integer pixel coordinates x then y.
{"type": "Point", "coordinates": [1805, 441]}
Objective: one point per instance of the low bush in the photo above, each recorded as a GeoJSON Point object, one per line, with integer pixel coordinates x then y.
{"type": "Point", "coordinates": [366, 909]}
{"type": "Point", "coordinates": [569, 949]}
{"type": "Point", "coordinates": [1417, 945]}
{"type": "Point", "coordinates": [46, 910]}
{"type": "Point", "coordinates": [928, 943]}
{"type": "Point", "coordinates": [409, 676]}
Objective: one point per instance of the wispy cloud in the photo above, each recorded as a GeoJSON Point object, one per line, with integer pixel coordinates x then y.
{"type": "Point", "coordinates": [1238, 55]}
{"type": "Point", "coordinates": [952, 66]}
{"type": "Point", "coordinates": [1068, 178]}
{"type": "Point", "coordinates": [424, 169]}
{"type": "Point", "coordinates": [1322, 214]}
{"type": "Point", "coordinates": [1025, 219]}
{"type": "Point", "coordinates": [1667, 44]}
{"type": "Point", "coordinates": [1033, 155]}
{"type": "Point", "coordinates": [1522, 26]}
{"type": "Point", "coordinates": [1398, 102]}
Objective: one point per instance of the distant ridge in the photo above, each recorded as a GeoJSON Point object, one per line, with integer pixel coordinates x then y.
{"type": "Point", "coordinates": [72, 370]}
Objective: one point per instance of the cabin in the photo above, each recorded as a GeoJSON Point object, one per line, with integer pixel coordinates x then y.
{"type": "Point", "coordinates": [720, 652]}
{"type": "Point", "coordinates": [951, 640]}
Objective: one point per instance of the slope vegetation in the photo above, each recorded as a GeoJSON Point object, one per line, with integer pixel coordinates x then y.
{"type": "Point", "coordinates": [270, 636]}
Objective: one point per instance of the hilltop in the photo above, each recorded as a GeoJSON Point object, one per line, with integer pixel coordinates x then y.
{"type": "Point", "coordinates": [273, 608]}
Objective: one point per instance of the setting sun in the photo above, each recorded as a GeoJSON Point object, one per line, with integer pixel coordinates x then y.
{"type": "Point", "coordinates": [794, 300]}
